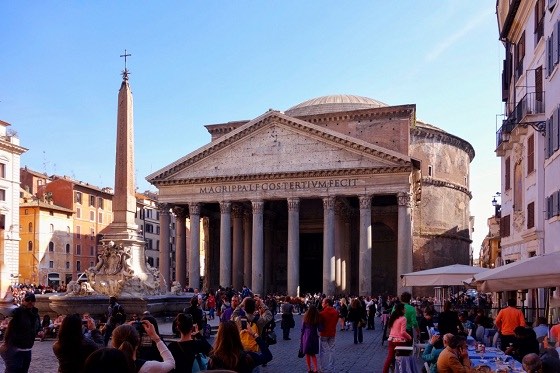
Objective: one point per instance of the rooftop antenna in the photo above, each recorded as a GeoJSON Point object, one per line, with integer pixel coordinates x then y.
{"type": "Point", "coordinates": [125, 72]}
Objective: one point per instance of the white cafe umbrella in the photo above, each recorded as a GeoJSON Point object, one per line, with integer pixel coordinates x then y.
{"type": "Point", "coordinates": [530, 273]}
{"type": "Point", "coordinates": [450, 275]}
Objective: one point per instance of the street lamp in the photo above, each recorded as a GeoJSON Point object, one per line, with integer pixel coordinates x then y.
{"type": "Point", "coordinates": [497, 205]}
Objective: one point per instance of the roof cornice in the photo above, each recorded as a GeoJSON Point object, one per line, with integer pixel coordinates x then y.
{"type": "Point", "coordinates": [288, 175]}
{"type": "Point", "coordinates": [445, 137]}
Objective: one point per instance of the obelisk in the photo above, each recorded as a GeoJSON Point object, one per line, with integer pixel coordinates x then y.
{"type": "Point", "coordinates": [121, 268]}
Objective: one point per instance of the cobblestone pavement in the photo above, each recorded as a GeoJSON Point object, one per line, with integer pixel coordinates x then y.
{"type": "Point", "coordinates": [367, 357]}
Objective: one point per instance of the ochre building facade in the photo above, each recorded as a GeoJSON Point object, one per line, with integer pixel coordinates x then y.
{"type": "Point", "coordinates": [339, 194]}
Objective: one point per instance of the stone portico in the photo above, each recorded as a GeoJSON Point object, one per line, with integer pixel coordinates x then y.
{"type": "Point", "coordinates": [297, 202]}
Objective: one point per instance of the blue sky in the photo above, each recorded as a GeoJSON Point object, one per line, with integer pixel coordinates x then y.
{"type": "Point", "coordinates": [202, 62]}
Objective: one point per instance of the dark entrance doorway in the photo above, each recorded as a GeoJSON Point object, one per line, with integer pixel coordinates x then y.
{"type": "Point", "coordinates": [311, 262]}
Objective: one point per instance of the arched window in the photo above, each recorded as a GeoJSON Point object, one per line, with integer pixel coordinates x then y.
{"type": "Point", "coordinates": [30, 246]}
{"type": "Point", "coordinates": [30, 227]}
{"type": "Point", "coordinates": [67, 248]}
{"type": "Point", "coordinates": [51, 246]}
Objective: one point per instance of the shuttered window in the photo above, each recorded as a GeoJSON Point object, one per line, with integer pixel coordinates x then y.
{"type": "Point", "coordinates": [504, 226]}
{"type": "Point", "coordinates": [531, 154]}
{"type": "Point", "coordinates": [519, 55]}
{"type": "Point", "coordinates": [530, 215]}
{"type": "Point", "coordinates": [507, 173]}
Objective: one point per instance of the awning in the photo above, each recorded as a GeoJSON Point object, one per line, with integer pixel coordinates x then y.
{"type": "Point", "coordinates": [450, 275]}
{"type": "Point", "coordinates": [536, 272]}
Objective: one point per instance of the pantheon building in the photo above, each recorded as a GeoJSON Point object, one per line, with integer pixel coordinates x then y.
{"type": "Point", "coordinates": [338, 194]}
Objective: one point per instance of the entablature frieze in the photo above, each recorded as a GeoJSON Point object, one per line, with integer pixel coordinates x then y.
{"type": "Point", "coordinates": [289, 175]}
{"type": "Point", "coordinates": [283, 189]}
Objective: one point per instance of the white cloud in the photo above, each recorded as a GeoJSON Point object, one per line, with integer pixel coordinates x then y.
{"type": "Point", "coordinates": [453, 38]}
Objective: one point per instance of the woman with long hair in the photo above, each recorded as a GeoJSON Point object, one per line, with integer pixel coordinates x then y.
{"type": "Point", "coordinates": [127, 339]}
{"type": "Point", "coordinates": [71, 347]}
{"type": "Point", "coordinates": [309, 343]}
{"type": "Point", "coordinates": [397, 335]}
{"type": "Point", "coordinates": [228, 351]}
{"type": "Point", "coordinates": [189, 345]}
{"type": "Point", "coordinates": [342, 313]}
{"type": "Point", "coordinates": [356, 314]}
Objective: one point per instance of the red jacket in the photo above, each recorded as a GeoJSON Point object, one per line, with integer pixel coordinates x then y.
{"type": "Point", "coordinates": [329, 320]}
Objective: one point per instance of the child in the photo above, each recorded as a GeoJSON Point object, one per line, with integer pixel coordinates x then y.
{"type": "Point", "coordinates": [310, 337]}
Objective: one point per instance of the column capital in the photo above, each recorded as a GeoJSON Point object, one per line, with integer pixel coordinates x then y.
{"type": "Point", "coordinates": [194, 208]}
{"type": "Point", "coordinates": [328, 202]}
{"type": "Point", "coordinates": [163, 208]}
{"type": "Point", "coordinates": [293, 204]}
{"type": "Point", "coordinates": [237, 210]}
{"type": "Point", "coordinates": [258, 207]}
{"type": "Point", "coordinates": [365, 202]}
{"type": "Point", "coordinates": [225, 207]}
{"type": "Point", "coordinates": [180, 211]}
{"type": "Point", "coordinates": [404, 199]}
{"type": "Point", "coordinates": [247, 216]}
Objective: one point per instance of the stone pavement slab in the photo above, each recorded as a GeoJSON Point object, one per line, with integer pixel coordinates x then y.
{"type": "Point", "coordinates": [367, 357]}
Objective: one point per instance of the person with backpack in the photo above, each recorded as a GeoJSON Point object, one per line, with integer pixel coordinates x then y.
{"type": "Point", "coordinates": [192, 348]}
{"type": "Point", "coordinates": [255, 311]}
{"type": "Point", "coordinates": [127, 339]}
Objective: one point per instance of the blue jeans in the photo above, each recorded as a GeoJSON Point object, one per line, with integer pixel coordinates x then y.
{"type": "Point", "coordinates": [358, 332]}
{"type": "Point", "coordinates": [326, 354]}
{"type": "Point", "coordinates": [16, 361]}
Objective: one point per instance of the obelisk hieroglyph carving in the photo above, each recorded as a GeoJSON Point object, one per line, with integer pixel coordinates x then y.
{"type": "Point", "coordinates": [121, 269]}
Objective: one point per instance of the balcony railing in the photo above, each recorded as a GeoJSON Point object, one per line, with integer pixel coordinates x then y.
{"type": "Point", "coordinates": [503, 134]}
{"type": "Point", "coordinates": [532, 103]}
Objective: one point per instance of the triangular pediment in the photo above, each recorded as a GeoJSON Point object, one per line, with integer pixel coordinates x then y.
{"type": "Point", "coordinates": [278, 144]}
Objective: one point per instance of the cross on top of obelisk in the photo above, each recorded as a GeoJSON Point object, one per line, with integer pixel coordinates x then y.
{"type": "Point", "coordinates": [125, 71]}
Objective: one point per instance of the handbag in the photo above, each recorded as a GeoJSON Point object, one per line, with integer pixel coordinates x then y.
{"type": "Point", "coordinates": [300, 353]}
{"type": "Point", "coordinates": [361, 323]}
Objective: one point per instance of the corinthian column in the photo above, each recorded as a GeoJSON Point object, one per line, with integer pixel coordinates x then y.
{"type": "Point", "coordinates": [258, 249]}
{"type": "Point", "coordinates": [194, 259]}
{"type": "Point", "coordinates": [404, 251]}
{"type": "Point", "coordinates": [181, 249]}
{"type": "Point", "coordinates": [225, 243]}
{"type": "Point", "coordinates": [365, 246]}
{"type": "Point", "coordinates": [247, 252]}
{"type": "Point", "coordinates": [237, 252]}
{"type": "Point", "coordinates": [293, 246]}
{"type": "Point", "coordinates": [164, 260]}
{"type": "Point", "coordinates": [328, 246]}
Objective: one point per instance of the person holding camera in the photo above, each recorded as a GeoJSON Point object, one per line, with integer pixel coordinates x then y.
{"type": "Point", "coordinates": [90, 330]}
{"type": "Point", "coordinates": [72, 347]}
{"type": "Point", "coordinates": [127, 339]}
{"type": "Point", "coordinates": [191, 347]}
{"type": "Point", "coordinates": [433, 349]}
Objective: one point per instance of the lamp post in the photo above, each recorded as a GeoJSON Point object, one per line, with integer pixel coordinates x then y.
{"type": "Point", "coordinates": [497, 204]}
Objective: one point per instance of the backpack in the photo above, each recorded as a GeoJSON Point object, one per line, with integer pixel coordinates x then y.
{"type": "Point", "coordinates": [118, 314]}
{"type": "Point", "coordinates": [268, 333]}
{"type": "Point", "coordinates": [200, 363]}
{"type": "Point", "coordinates": [207, 331]}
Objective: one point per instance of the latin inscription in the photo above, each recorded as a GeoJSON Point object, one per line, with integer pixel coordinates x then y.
{"type": "Point", "coordinates": [286, 185]}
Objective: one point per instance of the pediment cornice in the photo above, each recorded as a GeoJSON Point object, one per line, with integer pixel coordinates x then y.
{"type": "Point", "coordinates": [287, 175]}
{"type": "Point", "coordinates": [276, 117]}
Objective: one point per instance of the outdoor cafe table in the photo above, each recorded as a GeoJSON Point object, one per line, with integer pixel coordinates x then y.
{"type": "Point", "coordinates": [490, 359]}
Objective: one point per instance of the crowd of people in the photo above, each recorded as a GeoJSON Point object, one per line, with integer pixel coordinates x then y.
{"type": "Point", "coordinates": [447, 335]}
{"type": "Point", "coordinates": [132, 343]}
